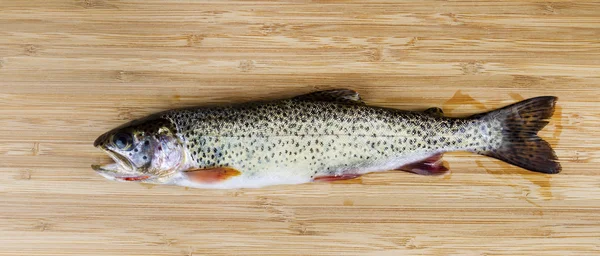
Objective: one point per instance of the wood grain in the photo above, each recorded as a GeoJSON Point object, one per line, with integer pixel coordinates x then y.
{"type": "Point", "coordinates": [70, 70]}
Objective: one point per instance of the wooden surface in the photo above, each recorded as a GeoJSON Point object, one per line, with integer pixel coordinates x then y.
{"type": "Point", "coordinates": [70, 70]}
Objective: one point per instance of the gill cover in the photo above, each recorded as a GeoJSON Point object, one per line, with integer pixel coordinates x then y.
{"type": "Point", "coordinates": [143, 150]}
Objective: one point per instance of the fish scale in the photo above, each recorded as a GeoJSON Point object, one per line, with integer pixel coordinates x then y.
{"type": "Point", "coordinates": [325, 135]}
{"type": "Point", "coordinates": [278, 137]}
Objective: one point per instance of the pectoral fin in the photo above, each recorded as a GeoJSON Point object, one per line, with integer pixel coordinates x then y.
{"type": "Point", "coordinates": [211, 175]}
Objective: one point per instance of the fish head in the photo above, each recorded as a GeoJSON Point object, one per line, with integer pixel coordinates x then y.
{"type": "Point", "coordinates": [147, 150]}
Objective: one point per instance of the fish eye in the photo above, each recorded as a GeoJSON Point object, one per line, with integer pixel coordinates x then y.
{"type": "Point", "coordinates": [122, 140]}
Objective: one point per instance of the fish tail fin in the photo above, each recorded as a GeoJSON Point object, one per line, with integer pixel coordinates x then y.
{"type": "Point", "coordinates": [521, 146]}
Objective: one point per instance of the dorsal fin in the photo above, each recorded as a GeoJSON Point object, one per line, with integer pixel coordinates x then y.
{"type": "Point", "coordinates": [437, 112]}
{"type": "Point", "coordinates": [336, 95]}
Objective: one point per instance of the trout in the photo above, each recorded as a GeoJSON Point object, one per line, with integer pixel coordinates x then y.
{"type": "Point", "coordinates": [321, 136]}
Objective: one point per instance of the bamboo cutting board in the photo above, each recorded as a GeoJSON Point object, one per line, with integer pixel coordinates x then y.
{"type": "Point", "coordinates": [71, 70]}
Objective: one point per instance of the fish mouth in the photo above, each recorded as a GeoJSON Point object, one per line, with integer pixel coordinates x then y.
{"type": "Point", "coordinates": [121, 170]}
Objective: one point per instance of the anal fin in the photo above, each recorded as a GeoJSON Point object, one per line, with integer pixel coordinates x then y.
{"type": "Point", "coordinates": [432, 165]}
{"type": "Point", "coordinates": [211, 175]}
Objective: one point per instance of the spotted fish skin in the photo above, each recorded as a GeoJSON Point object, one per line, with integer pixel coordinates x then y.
{"type": "Point", "coordinates": [323, 134]}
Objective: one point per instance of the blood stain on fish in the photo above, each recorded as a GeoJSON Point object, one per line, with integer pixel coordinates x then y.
{"type": "Point", "coordinates": [135, 178]}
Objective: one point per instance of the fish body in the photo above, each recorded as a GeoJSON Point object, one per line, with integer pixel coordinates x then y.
{"type": "Point", "coordinates": [321, 136]}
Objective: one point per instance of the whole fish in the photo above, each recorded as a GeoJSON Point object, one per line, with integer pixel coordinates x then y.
{"type": "Point", "coordinates": [321, 136]}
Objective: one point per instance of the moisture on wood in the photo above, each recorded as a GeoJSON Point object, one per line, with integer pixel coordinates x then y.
{"type": "Point", "coordinates": [71, 70]}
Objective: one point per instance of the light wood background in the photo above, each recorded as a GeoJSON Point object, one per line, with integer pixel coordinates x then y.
{"type": "Point", "coordinates": [71, 70]}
